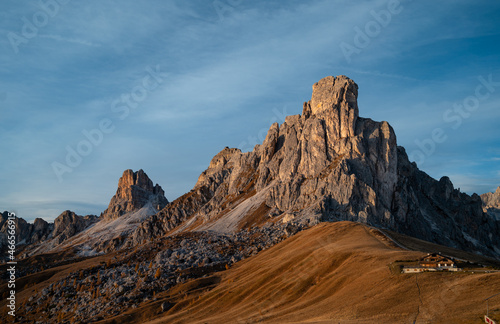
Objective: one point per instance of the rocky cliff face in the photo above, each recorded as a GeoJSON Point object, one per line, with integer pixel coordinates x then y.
{"type": "Point", "coordinates": [65, 226]}
{"type": "Point", "coordinates": [491, 203]}
{"type": "Point", "coordinates": [69, 224]}
{"type": "Point", "coordinates": [135, 190]}
{"type": "Point", "coordinates": [328, 164]}
{"type": "Point", "coordinates": [25, 232]}
{"type": "Point", "coordinates": [491, 199]}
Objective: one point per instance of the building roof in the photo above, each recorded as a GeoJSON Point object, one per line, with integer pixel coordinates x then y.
{"type": "Point", "coordinates": [436, 258]}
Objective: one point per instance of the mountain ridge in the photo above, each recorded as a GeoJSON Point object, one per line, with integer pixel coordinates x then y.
{"type": "Point", "coordinates": [327, 164]}
{"type": "Point", "coordinates": [268, 232]}
{"type": "Point", "coordinates": [136, 198]}
{"type": "Point", "coordinates": [330, 164]}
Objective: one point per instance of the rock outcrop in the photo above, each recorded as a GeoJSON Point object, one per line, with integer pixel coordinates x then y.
{"type": "Point", "coordinates": [135, 190]}
{"type": "Point", "coordinates": [64, 227]}
{"type": "Point", "coordinates": [328, 164]}
{"type": "Point", "coordinates": [491, 203]}
{"type": "Point", "coordinates": [41, 230]}
{"type": "Point", "coordinates": [26, 233]}
{"type": "Point", "coordinates": [69, 224]}
{"type": "Point", "coordinates": [491, 199]}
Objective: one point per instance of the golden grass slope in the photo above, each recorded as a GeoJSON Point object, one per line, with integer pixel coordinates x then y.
{"type": "Point", "coordinates": [336, 273]}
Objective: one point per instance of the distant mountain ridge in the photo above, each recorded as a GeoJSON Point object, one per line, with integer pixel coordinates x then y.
{"type": "Point", "coordinates": [65, 226]}
{"type": "Point", "coordinates": [136, 199]}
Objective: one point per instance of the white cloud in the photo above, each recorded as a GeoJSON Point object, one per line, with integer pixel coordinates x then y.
{"type": "Point", "coordinates": [70, 40]}
{"type": "Point", "coordinates": [232, 71]}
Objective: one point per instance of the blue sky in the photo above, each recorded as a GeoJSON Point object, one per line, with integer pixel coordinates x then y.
{"type": "Point", "coordinates": [223, 71]}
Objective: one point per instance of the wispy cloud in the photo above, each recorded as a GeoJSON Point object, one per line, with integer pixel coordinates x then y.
{"type": "Point", "coordinates": [225, 77]}
{"type": "Point", "coordinates": [69, 40]}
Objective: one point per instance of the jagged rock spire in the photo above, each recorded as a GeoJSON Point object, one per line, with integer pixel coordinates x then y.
{"type": "Point", "coordinates": [335, 99]}
{"type": "Point", "coordinates": [135, 189]}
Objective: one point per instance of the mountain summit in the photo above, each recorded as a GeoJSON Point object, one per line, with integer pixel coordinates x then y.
{"type": "Point", "coordinates": [135, 190]}
{"type": "Point", "coordinates": [328, 164]}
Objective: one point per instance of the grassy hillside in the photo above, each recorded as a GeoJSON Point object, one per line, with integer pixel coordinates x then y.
{"type": "Point", "coordinates": [340, 272]}
{"type": "Point", "coordinates": [336, 273]}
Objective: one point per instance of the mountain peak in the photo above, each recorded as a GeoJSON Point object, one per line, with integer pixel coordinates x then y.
{"type": "Point", "coordinates": [330, 92]}
{"type": "Point", "coordinates": [139, 179]}
{"type": "Point", "coordinates": [334, 99]}
{"type": "Point", "coordinates": [135, 190]}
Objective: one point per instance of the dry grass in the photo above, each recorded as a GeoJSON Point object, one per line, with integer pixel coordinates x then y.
{"type": "Point", "coordinates": [337, 272]}
{"type": "Point", "coordinates": [334, 272]}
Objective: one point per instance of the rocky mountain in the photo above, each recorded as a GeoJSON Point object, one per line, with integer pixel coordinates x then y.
{"type": "Point", "coordinates": [26, 233]}
{"type": "Point", "coordinates": [135, 200]}
{"type": "Point", "coordinates": [491, 203]}
{"type": "Point", "coordinates": [328, 164]}
{"type": "Point", "coordinates": [135, 190]}
{"type": "Point", "coordinates": [146, 259]}
{"type": "Point", "coordinates": [65, 226]}
{"type": "Point", "coordinates": [69, 224]}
